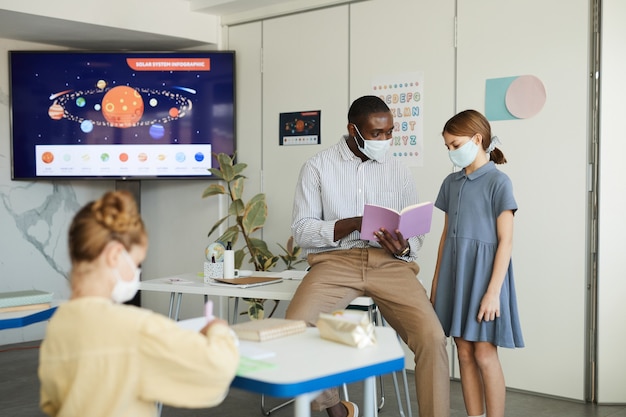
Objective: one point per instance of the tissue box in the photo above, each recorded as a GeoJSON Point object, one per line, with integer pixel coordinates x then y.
{"type": "Point", "coordinates": [350, 327]}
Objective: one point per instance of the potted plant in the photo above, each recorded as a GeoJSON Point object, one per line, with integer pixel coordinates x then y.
{"type": "Point", "coordinates": [247, 218]}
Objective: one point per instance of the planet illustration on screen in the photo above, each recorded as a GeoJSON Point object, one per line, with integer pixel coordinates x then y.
{"type": "Point", "coordinates": [157, 131]}
{"type": "Point", "coordinates": [122, 107]}
{"type": "Point", "coordinates": [86, 126]}
{"type": "Point", "coordinates": [55, 111]}
{"type": "Point", "coordinates": [47, 157]}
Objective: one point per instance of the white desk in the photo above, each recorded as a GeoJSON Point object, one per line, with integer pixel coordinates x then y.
{"type": "Point", "coordinates": [305, 365]}
{"type": "Point", "coordinates": [281, 291]}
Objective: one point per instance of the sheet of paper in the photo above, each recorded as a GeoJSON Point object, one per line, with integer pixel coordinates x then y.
{"type": "Point", "coordinates": [247, 365]}
{"type": "Point", "coordinates": [252, 351]}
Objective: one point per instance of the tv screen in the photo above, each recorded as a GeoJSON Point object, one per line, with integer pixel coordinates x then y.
{"type": "Point", "coordinates": [120, 115]}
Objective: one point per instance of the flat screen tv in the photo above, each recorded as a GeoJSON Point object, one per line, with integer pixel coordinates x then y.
{"type": "Point", "coordinates": [120, 115]}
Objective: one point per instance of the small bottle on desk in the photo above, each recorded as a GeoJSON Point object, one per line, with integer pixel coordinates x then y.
{"type": "Point", "coordinates": [229, 261]}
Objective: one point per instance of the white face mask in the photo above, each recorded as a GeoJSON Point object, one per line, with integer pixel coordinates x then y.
{"type": "Point", "coordinates": [373, 149]}
{"type": "Point", "coordinates": [465, 155]}
{"type": "Point", "coordinates": [126, 290]}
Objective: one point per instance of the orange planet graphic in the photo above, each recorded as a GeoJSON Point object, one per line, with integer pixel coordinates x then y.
{"type": "Point", "coordinates": [47, 157]}
{"type": "Point", "coordinates": [55, 111]}
{"type": "Point", "coordinates": [300, 125]}
{"type": "Point", "coordinates": [123, 157]}
{"type": "Point", "coordinates": [122, 106]}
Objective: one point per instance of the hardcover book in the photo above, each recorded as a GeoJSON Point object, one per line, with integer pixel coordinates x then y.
{"type": "Point", "coordinates": [268, 329]}
{"type": "Point", "coordinates": [411, 221]}
{"type": "Point", "coordinates": [246, 282]}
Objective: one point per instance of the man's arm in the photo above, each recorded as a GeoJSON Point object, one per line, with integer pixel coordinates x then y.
{"type": "Point", "coordinates": [344, 227]}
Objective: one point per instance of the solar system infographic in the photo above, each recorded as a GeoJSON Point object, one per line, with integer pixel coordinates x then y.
{"type": "Point", "coordinates": [91, 114]}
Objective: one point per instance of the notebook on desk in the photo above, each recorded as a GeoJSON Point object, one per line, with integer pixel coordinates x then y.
{"type": "Point", "coordinates": [246, 282]}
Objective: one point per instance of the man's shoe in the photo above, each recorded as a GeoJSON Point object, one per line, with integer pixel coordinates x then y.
{"type": "Point", "coordinates": [353, 409]}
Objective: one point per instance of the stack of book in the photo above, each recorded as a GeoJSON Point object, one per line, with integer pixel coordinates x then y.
{"type": "Point", "coordinates": [24, 300]}
{"type": "Point", "coordinates": [268, 329]}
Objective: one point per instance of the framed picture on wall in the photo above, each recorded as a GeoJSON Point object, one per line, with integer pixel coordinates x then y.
{"type": "Point", "coordinates": [299, 128]}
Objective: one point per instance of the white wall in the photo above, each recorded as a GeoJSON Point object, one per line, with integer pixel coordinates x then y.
{"type": "Point", "coordinates": [612, 227]}
{"type": "Point", "coordinates": [171, 18]}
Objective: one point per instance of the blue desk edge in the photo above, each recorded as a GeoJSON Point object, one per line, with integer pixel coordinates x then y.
{"type": "Point", "coordinates": [27, 320]}
{"type": "Point", "coordinates": [248, 383]}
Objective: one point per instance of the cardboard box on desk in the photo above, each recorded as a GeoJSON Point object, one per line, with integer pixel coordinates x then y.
{"type": "Point", "coordinates": [352, 328]}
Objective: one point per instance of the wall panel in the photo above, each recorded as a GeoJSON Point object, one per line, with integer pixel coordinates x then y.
{"type": "Point", "coordinates": [547, 157]}
{"type": "Point", "coordinates": [612, 228]}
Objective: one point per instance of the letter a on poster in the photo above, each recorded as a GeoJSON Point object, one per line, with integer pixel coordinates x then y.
{"type": "Point", "coordinates": [403, 95]}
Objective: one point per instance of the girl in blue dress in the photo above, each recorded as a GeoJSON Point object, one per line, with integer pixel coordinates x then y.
{"type": "Point", "coordinates": [473, 290]}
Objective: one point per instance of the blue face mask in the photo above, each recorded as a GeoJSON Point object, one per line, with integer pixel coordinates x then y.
{"type": "Point", "coordinates": [465, 155]}
{"type": "Point", "coordinates": [373, 149]}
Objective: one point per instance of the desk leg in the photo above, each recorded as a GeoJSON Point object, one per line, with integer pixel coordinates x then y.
{"type": "Point", "coordinates": [302, 407]}
{"type": "Point", "coordinates": [180, 297]}
{"type": "Point", "coordinates": [236, 310]}
{"type": "Point", "coordinates": [370, 409]}
{"type": "Point", "coordinates": [172, 296]}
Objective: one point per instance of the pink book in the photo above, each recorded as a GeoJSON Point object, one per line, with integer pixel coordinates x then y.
{"type": "Point", "coordinates": [411, 221]}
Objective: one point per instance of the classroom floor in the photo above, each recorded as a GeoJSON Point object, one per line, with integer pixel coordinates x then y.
{"type": "Point", "coordinates": [19, 391]}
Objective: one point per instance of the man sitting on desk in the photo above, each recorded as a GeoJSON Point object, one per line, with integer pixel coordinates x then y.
{"type": "Point", "coordinates": [333, 188]}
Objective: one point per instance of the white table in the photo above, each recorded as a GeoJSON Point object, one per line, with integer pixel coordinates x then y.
{"type": "Point", "coordinates": [280, 291]}
{"type": "Point", "coordinates": [283, 290]}
{"type": "Point", "coordinates": [306, 364]}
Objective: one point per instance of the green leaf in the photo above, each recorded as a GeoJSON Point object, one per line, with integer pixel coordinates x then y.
{"type": "Point", "coordinates": [255, 310]}
{"type": "Point", "coordinates": [236, 188]}
{"type": "Point", "coordinates": [216, 173]}
{"type": "Point", "coordinates": [236, 208]}
{"type": "Point", "coordinates": [230, 235]}
{"type": "Point", "coordinates": [238, 169]}
{"type": "Point", "coordinates": [259, 247]}
{"type": "Point", "coordinates": [255, 214]}
{"type": "Point", "coordinates": [226, 166]}
{"type": "Point", "coordinates": [267, 263]}
{"type": "Point", "coordinates": [217, 225]}
{"type": "Point", "coordinates": [239, 255]}
{"type": "Point", "coordinates": [213, 189]}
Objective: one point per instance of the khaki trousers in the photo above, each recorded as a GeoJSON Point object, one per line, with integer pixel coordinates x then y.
{"type": "Point", "coordinates": [338, 277]}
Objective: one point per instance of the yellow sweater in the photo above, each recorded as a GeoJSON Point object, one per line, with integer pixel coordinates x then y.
{"type": "Point", "coordinates": [101, 359]}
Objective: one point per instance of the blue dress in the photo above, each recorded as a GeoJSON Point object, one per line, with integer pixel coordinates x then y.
{"type": "Point", "coordinates": [473, 202]}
